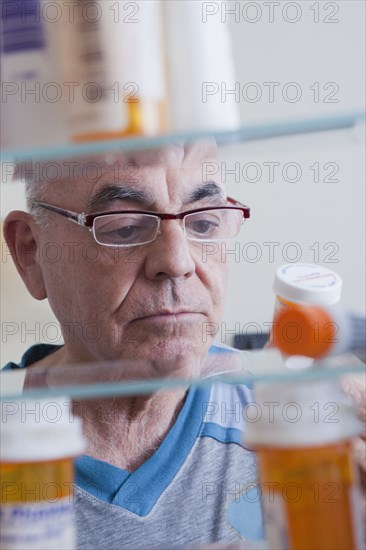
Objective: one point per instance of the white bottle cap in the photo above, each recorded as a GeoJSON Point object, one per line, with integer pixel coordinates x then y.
{"type": "Point", "coordinates": [300, 414]}
{"type": "Point", "coordinates": [307, 284]}
{"type": "Point", "coordinates": [39, 430]}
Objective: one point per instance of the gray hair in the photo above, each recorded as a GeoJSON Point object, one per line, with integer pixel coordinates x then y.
{"type": "Point", "coordinates": [35, 188]}
{"type": "Point", "coordinates": [40, 176]}
{"type": "Point", "coordinates": [35, 192]}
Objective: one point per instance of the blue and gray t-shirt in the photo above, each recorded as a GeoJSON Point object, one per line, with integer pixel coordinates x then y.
{"type": "Point", "coordinates": [199, 486]}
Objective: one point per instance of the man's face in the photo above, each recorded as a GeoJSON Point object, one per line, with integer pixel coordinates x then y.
{"type": "Point", "coordinates": [154, 300]}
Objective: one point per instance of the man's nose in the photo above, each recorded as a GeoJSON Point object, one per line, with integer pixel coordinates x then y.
{"type": "Point", "coordinates": [169, 256]}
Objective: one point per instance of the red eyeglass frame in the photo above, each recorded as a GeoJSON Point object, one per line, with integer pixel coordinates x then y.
{"type": "Point", "coordinates": [87, 220]}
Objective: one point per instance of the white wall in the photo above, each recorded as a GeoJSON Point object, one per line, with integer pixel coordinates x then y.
{"type": "Point", "coordinates": [324, 221]}
{"type": "Point", "coordinates": [330, 53]}
{"type": "Point", "coordinates": [331, 213]}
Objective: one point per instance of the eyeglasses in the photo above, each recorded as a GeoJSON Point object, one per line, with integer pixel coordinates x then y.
{"type": "Point", "coordinates": [124, 228]}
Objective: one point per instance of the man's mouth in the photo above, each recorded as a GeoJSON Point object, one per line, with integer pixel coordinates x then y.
{"type": "Point", "coordinates": [169, 315]}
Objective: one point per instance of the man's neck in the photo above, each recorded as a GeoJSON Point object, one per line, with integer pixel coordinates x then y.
{"type": "Point", "coordinates": [122, 431]}
{"type": "Point", "coordinates": [126, 432]}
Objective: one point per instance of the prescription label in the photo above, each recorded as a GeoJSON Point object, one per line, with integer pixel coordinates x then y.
{"type": "Point", "coordinates": [37, 526]}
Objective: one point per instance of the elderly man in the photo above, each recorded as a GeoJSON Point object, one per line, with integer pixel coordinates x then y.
{"type": "Point", "coordinates": [164, 471]}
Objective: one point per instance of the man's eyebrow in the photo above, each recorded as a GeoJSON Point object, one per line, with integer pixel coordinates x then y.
{"type": "Point", "coordinates": [208, 190]}
{"type": "Point", "coordinates": [110, 193]}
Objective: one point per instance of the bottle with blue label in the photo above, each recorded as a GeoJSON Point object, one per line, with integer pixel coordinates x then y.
{"type": "Point", "coordinates": [32, 108]}
{"type": "Point", "coordinates": [39, 440]}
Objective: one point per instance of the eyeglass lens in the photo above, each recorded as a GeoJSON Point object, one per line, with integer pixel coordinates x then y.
{"type": "Point", "coordinates": [133, 229]}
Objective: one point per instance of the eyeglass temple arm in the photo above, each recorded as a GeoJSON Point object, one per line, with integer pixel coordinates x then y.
{"type": "Point", "coordinates": [72, 216]}
{"type": "Point", "coordinates": [240, 205]}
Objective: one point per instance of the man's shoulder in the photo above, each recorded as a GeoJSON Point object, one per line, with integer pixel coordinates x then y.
{"type": "Point", "coordinates": [32, 355]}
{"type": "Point", "coordinates": [218, 347]}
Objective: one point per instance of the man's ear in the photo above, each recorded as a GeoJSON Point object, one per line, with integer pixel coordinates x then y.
{"type": "Point", "coordinates": [19, 233]}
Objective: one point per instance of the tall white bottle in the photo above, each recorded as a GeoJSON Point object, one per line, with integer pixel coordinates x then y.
{"type": "Point", "coordinates": [200, 68]}
{"type": "Point", "coordinates": [31, 102]}
{"type": "Point", "coordinates": [88, 63]}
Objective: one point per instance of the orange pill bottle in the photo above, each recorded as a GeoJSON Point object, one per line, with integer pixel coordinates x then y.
{"type": "Point", "coordinates": [300, 284]}
{"type": "Point", "coordinates": [39, 440]}
{"type": "Point", "coordinates": [309, 484]}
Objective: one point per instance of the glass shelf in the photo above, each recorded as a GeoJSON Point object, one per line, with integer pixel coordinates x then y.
{"type": "Point", "coordinates": [243, 134]}
{"type": "Point", "coordinates": [131, 378]}
{"type": "Point", "coordinates": [89, 383]}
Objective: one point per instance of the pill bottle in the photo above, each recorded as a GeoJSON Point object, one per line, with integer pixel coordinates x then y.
{"type": "Point", "coordinates": [39, 439]}
{"type": "Point", "coordinates": [309, 483]}
{"type": "Point", "coordinates": [110, 60]}
{"type": "Point", "coordinates": [302, 284]}
{"type": "Point", "coordinates": [319, 332]}
{"type": "Point", "coordinates": [29, 115]}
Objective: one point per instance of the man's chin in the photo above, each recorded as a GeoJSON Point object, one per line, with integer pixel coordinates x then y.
{"type": "Point", "coordinates": [171, 356]}
{"type": "Point", "coordinates": [166, 348]}
{"type": "Point", "coordinates": [164, 336]}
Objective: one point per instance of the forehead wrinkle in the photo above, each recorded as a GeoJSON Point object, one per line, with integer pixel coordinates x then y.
{"type": "Point", "coordinates": [168, 161]}
{"type": "Point", "coordinates": [201, 150]}
{"type": "Point", "coordinates": [170, 154]}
